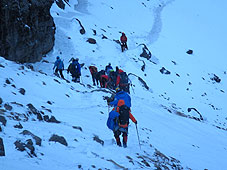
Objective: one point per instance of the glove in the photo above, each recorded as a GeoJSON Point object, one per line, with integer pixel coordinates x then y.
{"type": "Point", "coordinates": [136, 122]}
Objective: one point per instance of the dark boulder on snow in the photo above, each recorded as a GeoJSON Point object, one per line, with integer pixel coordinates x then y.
{"type": "Point", "coordinates": [27, 29]}
{"type": "Point", "coordinates": [189, 52]}
{"type": "Point", "coordinates": [59, 139]}
{"type": "Point", "coordinates": [164, 71]}
{"type": "Point", "coordinates": [37, 139]}
{"type": "Point", "coordinates": [8, 81]}
{"type": "Point", "coordinates": [2, 150]}
{"type": "Point", "coordinates": [91, 40]}
{"type": "Point", "coordinates": [19, 126]}
{"type": "Point", "coordinates": [78, 127]}
{"type": "Point", "coordinates": [8, 107]}
{"type": "Point", "coordinates": [97, 139]}
{"type": "Point", "coordinates": [82, 30]}
{"type": "Point", "coordinates": [52, 119]}
{"type": "Point", "coordinates": [20, 145]}
{"type": "Point", "coordinates": [32, 109]}
{"type": "Point", "coordinates": [22, 91]}
{"type": "Point", "coordinates": [146, 52]}
{"type": "Point", "coordinates": [216, 78]}
{"type": "Point", "coordinates": [3, 120]}
{"type": "Point", "coordinates": [1, 101]}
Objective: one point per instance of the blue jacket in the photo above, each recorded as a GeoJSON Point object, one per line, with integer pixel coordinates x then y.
{"type": "Point", "coordinates": [121, 95]}
{"type": "Point", "coordinates": [59, 64]}
{"type": "Point", "coordinates": [108, 68]}
{"type": "Point", "coordinates": [77, 66]}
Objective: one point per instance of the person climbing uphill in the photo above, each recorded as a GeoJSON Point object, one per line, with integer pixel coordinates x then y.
{"type": "Point", "coordinates": [120, 94]}
{"type": "Point", "coordinates": [94, 72]}
{"type": "Point", "coordinates": [123, 121]}
{"type": "Point", "coordinates": [123, 42]}
{"type": "Point", "coordinates": [103, 81]}
{"type": "Point", "coordinates": [108, 68]}
{"type": "Point", "coordinates": [75, 70]}
{"type": "Point", "coordinates": [59, 65]}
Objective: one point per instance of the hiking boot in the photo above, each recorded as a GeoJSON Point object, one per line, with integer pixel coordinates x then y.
{"type": "Point", "coordinates": [119, 144]}
{"type": "Point", "coordinates": [125, 145]}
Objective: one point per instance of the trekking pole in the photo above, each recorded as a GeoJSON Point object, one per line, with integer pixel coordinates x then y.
{"type": "Point", "coordinates": [138, 136]}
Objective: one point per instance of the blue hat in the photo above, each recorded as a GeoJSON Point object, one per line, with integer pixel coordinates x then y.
{"type": "Point", "coordinates": [58, 57]}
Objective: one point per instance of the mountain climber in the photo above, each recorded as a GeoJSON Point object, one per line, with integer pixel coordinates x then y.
{"type": "Point", "coordinates": [59, 67]}
{"type": "Point", "coordinates": [120, 94]}
{"type": "Point", "coordinates": [123, 81]}
{"type": "Point", "coordinates": [75, 70]}
{"type": "Point", "coordinates": [123, 121]}
{"type": "Point", "coordinates": [118, 71]}
{"type": "Point", "coordinates": [99, 74]}
{"type": "Point", "coordinates": [123, 42]}
{"type": "Point", "coordinates": [112, 80]}
{"type": "Point", "coordinates": [103, 81]}
{"type": "Point", "coordinates": [94, 72]}
{"type": "Point", "coordinates": [108, 68]}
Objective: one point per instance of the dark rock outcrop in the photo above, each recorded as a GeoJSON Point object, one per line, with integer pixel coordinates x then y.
{"type": "Point", "coordinates": [189, 52]}
{"type": "Point", "coordinates": [78, 128]}
{"type": "Point", "coordinates": [2, 150]}
{"type": "Point", "coordinates": [91, 40]}
{"type": "Point", "coordinates": [52, 119]}
{"type": "Point", "coordinates": [3, 120]}
{"type": "Point", "coordinates": [164, 71]}
{"type": "Point", "coordinates": [22, 91]}
{"type": "Point", "coordinates": [59, 139]}
{"type": "Point", "coordinates": [146, 52]}
{"type": "Point", "coordinates": [216, 78]}
{"type": "Point", "coordinates": [97, 139]}
{"type": "Point", "coordinates": [19, 126]}
{"type": "Point", "coordinates": [20, 145]}
{"type": "Point", "coordinates": [37, 139]}
{"type": "Point", "coordinates": [8, 107]}
{"type": "Point", "coordinates": [26, 29]}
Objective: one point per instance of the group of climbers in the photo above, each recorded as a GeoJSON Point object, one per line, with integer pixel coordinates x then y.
{"type": "Point", "coordinates": [109, 78]}
{"type": "Point", "coordinates": [118, 120]}
{"type": "Point", "coordinates": [74, 68]}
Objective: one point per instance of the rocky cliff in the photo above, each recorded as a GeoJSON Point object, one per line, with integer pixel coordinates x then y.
{"type": "Point", "coordinates": [26, 29]}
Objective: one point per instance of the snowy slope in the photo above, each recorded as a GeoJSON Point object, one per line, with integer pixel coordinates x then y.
{"type": "Point", "coordinates": [170, 136]}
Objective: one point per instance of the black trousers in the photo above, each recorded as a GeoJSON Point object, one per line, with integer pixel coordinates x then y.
{"type": "Point", "coordinates": [60, 71]}
{"type": "Point", "coordinates": [94, 78]}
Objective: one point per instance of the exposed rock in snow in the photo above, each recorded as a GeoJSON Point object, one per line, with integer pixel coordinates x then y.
{"type": "Point", "coordinates": [59, 139]}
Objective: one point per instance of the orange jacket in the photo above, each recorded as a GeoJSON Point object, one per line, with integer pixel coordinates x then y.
{"type": "Point", "coordinates": [93, 69]}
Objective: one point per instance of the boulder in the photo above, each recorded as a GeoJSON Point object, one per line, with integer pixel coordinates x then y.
{"type": "Point", "coordinates": [2, 150]}
{"type": "Point", "coordinates": [26, 29]}
{"type": "Point", "coordinates": [37, 139]}
{"type": "Point", "coordinates": [22, 91]}
{"type": "Point", "coordinates": [91, 40]}
{"type": "Point", "coordinates": [59, 139]}
{"type": "Point", "coordinates": [8, 107]}
{"type": "Point", "coordinates": [189, 52]}
{"type": "Point", "coordinates": [3, 120]}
